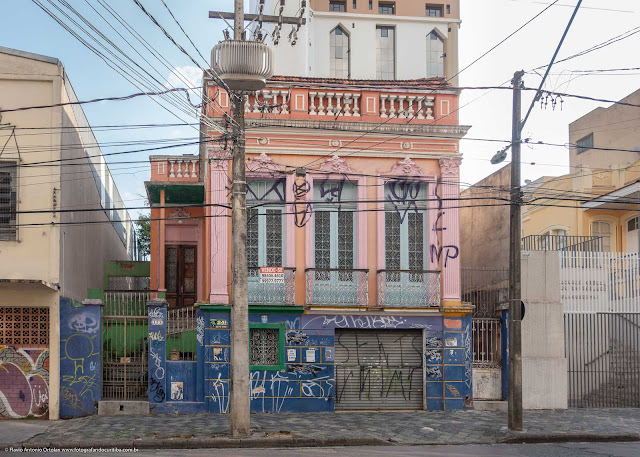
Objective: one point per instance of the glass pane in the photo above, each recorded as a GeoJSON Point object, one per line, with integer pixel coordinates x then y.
{"type": "Point", "coordinates": [322, 243]}
{"type": "Point", "coordinates": [339, 54]}
{"type": "Point", "coordinates": [392, 245]}
{"type": "Point", "coordinates": [171, 269]}
{"type": "Point", "coordinates": [345, 245]}
{"type": "Point", "coordinates": [252, 242]}
{"type": "Point", "coordinates": [416, 244]}
{"type": "Point", "coordinates": [264, 347]}
{"type": "Point", "coordinates": [274, 238]}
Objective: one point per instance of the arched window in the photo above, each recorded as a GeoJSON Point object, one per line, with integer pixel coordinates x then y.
{"type": "Point", "coordinates": [340, 49]}
{"type": "Point", "coordinates": [435, 56]}
{"type": "Point", "coordinates": [602, 229]}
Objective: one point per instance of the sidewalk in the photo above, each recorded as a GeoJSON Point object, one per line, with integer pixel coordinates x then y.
{"type": "Point", "coordinates": [325, 429]}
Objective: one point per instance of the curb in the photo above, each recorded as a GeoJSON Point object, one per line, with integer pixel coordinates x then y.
{"type": "Point", "coordinates": [209, 443]}
{"type": "Point", "coordinates": [515, 438]}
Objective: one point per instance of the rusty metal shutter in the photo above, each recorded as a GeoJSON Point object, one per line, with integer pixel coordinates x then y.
{"type": "Point", "coordinates": [378, 370]}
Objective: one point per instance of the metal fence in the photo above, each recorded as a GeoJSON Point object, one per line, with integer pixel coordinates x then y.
{"type": "Point", "coordinates": [408, 288]}
{"type": "Point", "coordinates": [486, 342]}
{"type": "Point", "coordinates": [487, 289]}
{"type": "Point", "coordinates": [337, 287]}
{"type": "Point", "coordinates": [181, 334]}
{"type": "Point", "coordinates": [603, 357]}
{"type": "Point", "coordinates": [600, 282]}
{"type": "Point", "coordinates": [562, 243]}
{"type": "Point", "coordinates": [124, 349]}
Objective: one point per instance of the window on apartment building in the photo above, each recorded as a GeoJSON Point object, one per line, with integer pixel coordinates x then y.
{"type": "Point", "coordinates": [334, 229]}
{"type": "Point", "coordinates": [386, 8]}
{"type": "Point", "coordinates": [266, 347]}
{"type": "Point", "coordinates": [8, 200]}
{"type": "Point", "coordinates": [339, 43]}
{"type": "Point", "coordinates": [265, 225]}
{"type": "Point", "coordinates": [339, 6]}
{"type": "Point", "coordinates": [405, 230]}
{"type": "Point", "coordinates": [585, 143]}
{"type": "Point", "coordinates": [434, 10]}
{"type": "Point", "coordinates": [385, 52]}
{"type": "Point", "coordinates": [370, 4]}
{"type": "Point", "coordinates": [435, 55]}
{"type": "Point", "coordinates": [602, 229]}
{"type": "Point", "coordinates": [355, 5]}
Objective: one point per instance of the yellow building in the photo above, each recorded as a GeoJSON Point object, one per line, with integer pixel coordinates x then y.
{"type": "Point", "coordinates": [601, 195]}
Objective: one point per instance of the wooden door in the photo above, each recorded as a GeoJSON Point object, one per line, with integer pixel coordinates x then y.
{"type": "Point", "coordinates": [181, 275]}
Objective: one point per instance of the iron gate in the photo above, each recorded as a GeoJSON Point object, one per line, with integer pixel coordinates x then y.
{"type": "Point", "coordinates": [603, 357]}
{"type": "Point", "coordinates": [124, 345]}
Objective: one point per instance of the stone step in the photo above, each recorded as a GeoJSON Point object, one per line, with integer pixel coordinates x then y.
{"type": "Point", "coordinates": [123, 408]}
{"type": "Point", "coordinates": [490, 405]}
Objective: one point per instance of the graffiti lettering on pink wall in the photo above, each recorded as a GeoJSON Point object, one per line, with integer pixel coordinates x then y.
{"type": "Point", "coordinates": [24, 382]}
{"type": "Point", "coordinates": [438, 250]}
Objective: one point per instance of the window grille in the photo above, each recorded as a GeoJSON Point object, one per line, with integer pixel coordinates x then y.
{"type": "Point", "coordinates": [8, 200]}
{"type": "Point", "coordinates": [392, 245]}
{"type": "Point", "coordinates": [345, 245]}
{"type": "Point", "coordinates": [265, 347]}
{"type": "Point", "coordinates": [416, 244]}
{"type": "Point", "coordinates": [323, 243]}
{"type": "Point", "coordinates": [435, 10]}
{"type": "Point", "coordinates": [274, 238]}
{"type": "Point", "coordinates": [584, 144]}
{"type": "Point", "coordinates": [252, 242]}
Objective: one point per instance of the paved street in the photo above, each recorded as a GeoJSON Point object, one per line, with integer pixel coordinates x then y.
{"type": "Point", "coordinates": [500, 450]}
{"type": "Point", "coordinates": [329, 429]}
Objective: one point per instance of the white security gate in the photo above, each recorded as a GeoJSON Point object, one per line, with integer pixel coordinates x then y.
{"type": "Point", "coordinates": [378, 370]}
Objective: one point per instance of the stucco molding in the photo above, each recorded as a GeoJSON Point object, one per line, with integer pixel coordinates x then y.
{"type": "Point", "coordinates": [406, 167]}
{"type": "Point", "coordinates": [336, 164]}
{"type": "Point", "coordinates": [261, 164]}
{"type": "Point", "coordinates": [180, 213]}
{"type": "Point", "coordinates": [450, 167]}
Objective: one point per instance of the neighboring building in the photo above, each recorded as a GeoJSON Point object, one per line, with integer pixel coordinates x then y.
{"type": "Point", "coordinates": [49, 163]}
{"type": "Point", "coordinates": [352, 181]}
{"type": "Point", "coordinates": [599, 178]}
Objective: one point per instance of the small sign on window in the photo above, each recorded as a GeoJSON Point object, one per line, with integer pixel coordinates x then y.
{"type": "Point", "coordinates": [272, 275]}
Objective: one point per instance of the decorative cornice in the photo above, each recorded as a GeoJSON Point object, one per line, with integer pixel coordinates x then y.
{"type": "Point", "coordinates": [260, 164]}
{"type": "Point", "coordinates": [406, 167]}
{"type": "Point", "coordinates": [450, 167]}
{"type": "Point", "coordinates": [336, 165]}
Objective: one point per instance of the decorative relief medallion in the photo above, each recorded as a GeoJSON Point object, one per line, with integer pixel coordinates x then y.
{"type": "Point", "coordinates": [406, 167]}
{"type": "Point", "coordinates": [334, 143]}
{"type": "Point", "coordinates": [406, 145]}
{"type": "Point", "coordinates": [180, 213]}
{"type": "Point", "coordinates": [263, 141]}
{"type": "Point", "coordinates": [337, 165]}
{"type": "Point", "coordinates": [450, 167]}
{"type": "Point", "coordinates": [262, 163]}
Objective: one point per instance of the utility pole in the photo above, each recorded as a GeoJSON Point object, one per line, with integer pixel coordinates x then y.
{"type": "Point", "coordinates": [239, 390]}
{"type": "Point", "coordinates": [515, 228]}
{"type": "Point", "coordinates": [244, 68]}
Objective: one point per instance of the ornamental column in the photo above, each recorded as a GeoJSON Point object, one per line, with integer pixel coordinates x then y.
{"type": "Point", "coordinates": [447, 248]}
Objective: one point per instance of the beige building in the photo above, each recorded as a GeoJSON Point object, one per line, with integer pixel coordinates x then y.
{"type": "Point", "coordinates": [49, 163]}
{"type": "Point", "coordinates": [601, 195]}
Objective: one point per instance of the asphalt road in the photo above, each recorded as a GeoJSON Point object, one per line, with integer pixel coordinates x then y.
{"type": "Point", "coordinates": [501, 450]}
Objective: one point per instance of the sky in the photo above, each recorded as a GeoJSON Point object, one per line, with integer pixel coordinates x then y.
{"type": "Point", "coordinates": [24, 26]}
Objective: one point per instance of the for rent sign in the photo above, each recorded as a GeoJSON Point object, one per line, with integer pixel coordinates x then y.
{"type": "Point", "coordinates": [272, 275]}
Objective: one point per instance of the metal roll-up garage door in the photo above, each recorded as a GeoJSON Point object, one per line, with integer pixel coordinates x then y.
{"type": "Point", "coordinates": [378, 370]}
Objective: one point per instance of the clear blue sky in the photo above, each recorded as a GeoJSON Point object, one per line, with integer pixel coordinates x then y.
{"type": "Point", "coordinates": [485, 22]}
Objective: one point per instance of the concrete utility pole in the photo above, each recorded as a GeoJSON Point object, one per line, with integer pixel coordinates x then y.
{"type": "Point", "coordinates": [239, 390]}
{"type": "Point", "coordinates": [244, 68]}
{"type": "Point", "coordinates": [515, 228]}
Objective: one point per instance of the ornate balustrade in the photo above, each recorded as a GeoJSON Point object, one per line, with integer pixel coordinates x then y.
{"type": "Point", "coordinates": [408, 288]}
{"type": "Point", "coordinates": [272, 293]}
{"type": "Point", "coordinates": [337, 287]}
{"type": "Point", "coordinates": [175, 168]}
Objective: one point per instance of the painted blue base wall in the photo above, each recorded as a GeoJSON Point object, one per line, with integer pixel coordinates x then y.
{"type": "Point", "coordinates": [307, 382]}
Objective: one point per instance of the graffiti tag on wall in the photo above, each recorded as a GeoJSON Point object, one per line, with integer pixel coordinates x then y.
{"type": "Point", "coordinates": [24, 382]}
